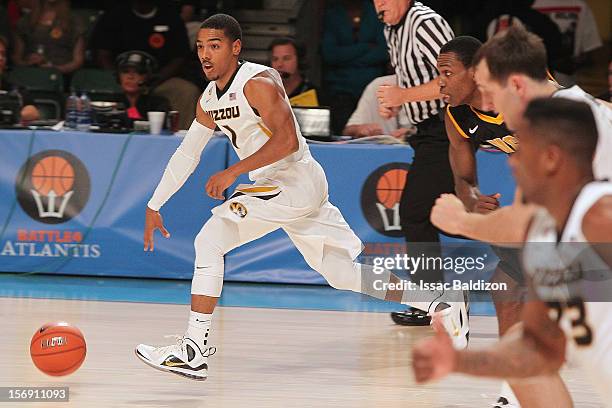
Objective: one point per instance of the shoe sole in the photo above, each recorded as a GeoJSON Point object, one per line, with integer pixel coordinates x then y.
{"type": "Point", "coordinates": [424, 321]}
{"type": "Point", "coordinates": [168, 370]}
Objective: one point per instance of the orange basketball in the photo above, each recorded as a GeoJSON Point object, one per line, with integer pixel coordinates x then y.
{"type": "Point", "coordinates": [53, 173]}
{"type": "Point", "coordinates": [390, 186]}
{"type": "Point", "coordinates": [58, 349]}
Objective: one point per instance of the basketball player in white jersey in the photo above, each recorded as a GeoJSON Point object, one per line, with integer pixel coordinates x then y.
{"type": "Point", "coordinates": [565, 260]}
{"type": "Point", "coordinates": [248, 103]}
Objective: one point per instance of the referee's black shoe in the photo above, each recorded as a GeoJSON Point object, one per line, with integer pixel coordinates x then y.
{"type": "Point", "coordinates": [411, 317]}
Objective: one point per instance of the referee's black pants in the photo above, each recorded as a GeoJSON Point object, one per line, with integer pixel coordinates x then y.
{"type": "Point", "coordinates": [430, 175]}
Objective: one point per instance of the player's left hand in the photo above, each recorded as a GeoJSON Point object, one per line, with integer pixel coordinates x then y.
{"type": "Point", "coordinates": [435, 357]}
{"type": "Point", "coordinates": [219, 182]}
{"type": "Point", "coordinates": [389, 96]}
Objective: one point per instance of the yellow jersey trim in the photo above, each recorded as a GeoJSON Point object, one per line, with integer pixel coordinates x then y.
{"type": "Point", "coordinates": [498, 120]}
{"type": "Point", "coordinates": [454, 122]}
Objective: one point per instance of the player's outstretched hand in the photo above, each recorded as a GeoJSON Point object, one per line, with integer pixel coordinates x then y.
{"type": "Point", "coordinates": [487, 203]}
{"type": "Point", "coordinates": [435, 357]}
{"type": "Point", "coordinates": [153, 221]}
{"type": "Point", "coordinates": [447, 213]}
{"type": "Point", "coordinates": [219, 182]}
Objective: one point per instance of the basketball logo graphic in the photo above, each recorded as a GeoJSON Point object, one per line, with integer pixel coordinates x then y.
{"type": "Point", "coordinates": [390, 186]}
{"type": "Point", "coordinates": [52, 186]}
{"type": "Point", "coordinates": [380, 198]}
{"type": "Point", "coordinates": [53, 174]}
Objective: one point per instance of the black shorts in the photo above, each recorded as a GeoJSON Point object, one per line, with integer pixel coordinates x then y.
{"type": "Point", "coordinates": [510, 262]}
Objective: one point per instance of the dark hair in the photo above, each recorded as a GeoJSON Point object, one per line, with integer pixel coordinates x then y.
{"type": "Point", "coordinates": [514, 51]}
{"type": "Point", "coordinates": [142, 61]}
{"type": "Point", "coordinates": [300, 50]}
{"type": "Point", "coordinates": [566, 123]}
{"type": "Point", "coordinates": [464, 47]}
{"type": "Point", "coordinates": [229, 25]}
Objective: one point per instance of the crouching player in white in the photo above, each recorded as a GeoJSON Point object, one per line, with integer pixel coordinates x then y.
{"type": "Point", "coordinates": [248, 103]}
{"type": "Point", "coordinates": [566, 258]}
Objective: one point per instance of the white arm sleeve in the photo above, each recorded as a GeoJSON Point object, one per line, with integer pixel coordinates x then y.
{"type": "Point", "coordinates": [182, 163]}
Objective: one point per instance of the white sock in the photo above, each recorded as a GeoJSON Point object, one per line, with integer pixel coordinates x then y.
{"type": "Point", "coordinates": [198, 328]}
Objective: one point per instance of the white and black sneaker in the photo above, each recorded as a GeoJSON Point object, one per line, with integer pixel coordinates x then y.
{"type": "Point", "coordinates": [455, 320]}
{"type": "Point", "coordinates": [184, 358]}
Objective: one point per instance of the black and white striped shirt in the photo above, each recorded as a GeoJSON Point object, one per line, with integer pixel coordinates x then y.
{"type": "Point", "coordinates": [414, 44]}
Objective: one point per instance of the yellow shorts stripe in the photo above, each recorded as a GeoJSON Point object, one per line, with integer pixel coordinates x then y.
{"type": "Point", "coordinates": [257, 189]}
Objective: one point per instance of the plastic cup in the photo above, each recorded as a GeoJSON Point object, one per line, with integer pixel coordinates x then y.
{"type": "Point", "coordinates": [156, 122]}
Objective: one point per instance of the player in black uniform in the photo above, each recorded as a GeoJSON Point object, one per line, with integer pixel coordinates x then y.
{"type": "Point", "coordinates": [468, 127]}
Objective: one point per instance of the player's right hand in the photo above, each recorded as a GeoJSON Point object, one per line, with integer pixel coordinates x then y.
{"type": "Point", "coordinates": [153, 221]}
{"type": "Point", "coordinates": [435, 357]}
{"type": "Point", "coordinates": [447, 214]}
{"type": "Point", "coordinates": [487, 203]}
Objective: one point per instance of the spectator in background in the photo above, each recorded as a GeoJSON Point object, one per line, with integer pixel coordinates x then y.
{"type": "Point", "coordinates": [158, 30]}
{"type": "Point", "coordinates": [288, 57]}
{"type": "Point", "coordinates": [187, 11]}
{"type": "Point", "coordinates": [134, 69]}
{"type": "Point", "coordinates": [365, 120]}
{"type": "Point", "coordinates": [354, 53]}
{"type": "Point", "coordinates": [16, 9]}
{"type": "Point", "coordinates": [578, 28]}
{"type": "Point", "coordinates": [50, 36]}
{"type": "Point", "coordinates": [29, 112]}
{"type": "Point", "coordinates": [500, 15]}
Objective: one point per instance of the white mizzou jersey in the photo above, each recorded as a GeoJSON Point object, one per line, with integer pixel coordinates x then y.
{"type": "Point", "coordinates": [576, 285]}
{"type": "Point", "coordinates": [231, 112]}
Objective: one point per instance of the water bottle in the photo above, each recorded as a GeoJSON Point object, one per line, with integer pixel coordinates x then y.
{"type": "Point", "coordinates": [72, 110]}
{"type": "Point", "coordinates": [84, 114]}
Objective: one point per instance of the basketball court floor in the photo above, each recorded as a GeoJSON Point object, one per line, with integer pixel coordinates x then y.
{"type": "Point", "coordinates": [278, 346]}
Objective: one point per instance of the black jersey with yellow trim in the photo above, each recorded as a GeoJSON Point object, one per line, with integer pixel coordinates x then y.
{"type": "Point", "coordinates": [482, 128]}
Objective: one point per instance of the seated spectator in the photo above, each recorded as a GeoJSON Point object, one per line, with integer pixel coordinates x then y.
{"type": "Point", "coordinates": [354, 52]}
{"type": "Point", "coordinates": [50, 36]}
{"type": "Point", "coordinates": [134, 69]}
{"type": "Point", "coordinates": [29, 112]}
{"type": "Point", "coordinates": [158, 30]}
{"type": "Point", "coordinates": [578, 27]}
{"type": "Point", "coordinates": [288, 57]}
{"type": "Point", "coordinates": [500, 15]}
{"type": "Point", "coordinates": [16, 9]}
{"type": "Point", "coordinates": [365, 120]}
{"type": "Point", "coordinates": [187, 12]}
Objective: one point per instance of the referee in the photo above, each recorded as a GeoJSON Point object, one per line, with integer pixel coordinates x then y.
{"type": "Point", "coordinates": [415, 33]}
